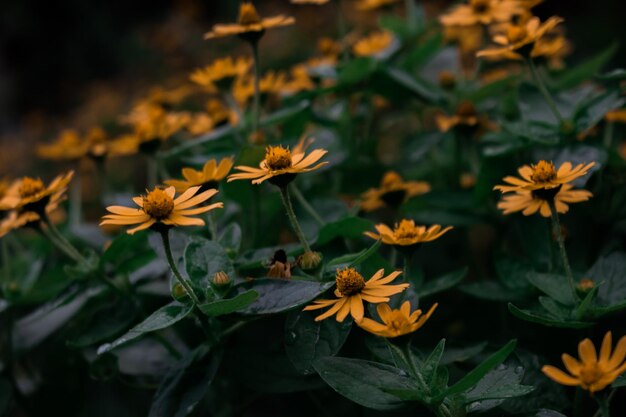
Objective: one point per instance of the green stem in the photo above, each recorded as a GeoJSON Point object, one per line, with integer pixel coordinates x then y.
{"type": "Point", "coordinates": [544, 90]}
{"type": "Point", "coordinates": [76, 200]}
{"type": "Point", "coordinates": [393, 258]}
{"type": "Point", "coordinates": [284, 194]}
{"type": "Point", "coordinates": [556, 229]}
{"type": "Point", "coordinates": [6, 261]}
{"type": "Point", "coordinates": [604, 408]}
{"type": "Point", "coordinates": [309, 208]}
{"type": "Point", "coordinates": [257, 87]}
{"type": "Point", "coordinates": [60, 241]}
{"type": "Point", "coordinates": [212, 225]}
{"type": "Point", "coordinates": [409, 6]}
{"type": "Point", "coordinates": [172, 263]}
{"type": "Point", "coordinates": [233, 105]}
{"type": "Point", "coordinates": [608, 134]}
{"type": "Point", "coordinates": [341, 31]}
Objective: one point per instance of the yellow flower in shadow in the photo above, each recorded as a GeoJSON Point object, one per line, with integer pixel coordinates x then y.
{"type": "Point", "coordinates": [530, 202]}
{"type": "Point", "coordinates": [407, 233]}
{"type": "Point", "coordinates": [543, 176]}
{"type": "Point", "coordinates": [365, 5]}
{"type": "Point", "coordinates": [250, 26]}
{"type": "Point", "coordinates": [352, 290]}
{"type": "Point", "coordinates": [159, 207]}
{"type": "Point", "coordinates": [208, 177]}
{"type": "Point", "coordinates": [393, 191]}
{"type": "Point", "coordinates": [221, 71]}
{"type": "Point", "coordinates": [377, 44]}
{"type": "Point", "coordinates": [397, 322]}
{"type": "Point", "coordinates": [591, 372]}
{"type": "Point", "coordinates": [465, 118]}
{"type": "Point", "coordinates": [31, 194]}
{"type": "Point", "coordinates": [483, 12]}
{"type": "Point", "coordinates": [280, 165]}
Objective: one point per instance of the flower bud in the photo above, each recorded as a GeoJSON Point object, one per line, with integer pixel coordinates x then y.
{"type": "Point", "coordinates": [585, 285]}
{"type": "Point", "coordinates": [309, 260]}
{"type": "Point", "coordinates": [179, 293]}
{"type": "Point", "coordinates": [221, 278]}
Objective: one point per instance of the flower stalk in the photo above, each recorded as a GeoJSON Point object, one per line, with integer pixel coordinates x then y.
{"type": "Point", "coordinates": [308, 207]}
{"type": "Point", "coordinates": [286, 199]}
{"type": "Point", "coordinates": [256, 117]}
{"type": "Point", "coordinates": [556, 230]}
{"type": "Point", "coordinates": [544, 90]}
{"type": "Point", "coordinates": [170, 260]}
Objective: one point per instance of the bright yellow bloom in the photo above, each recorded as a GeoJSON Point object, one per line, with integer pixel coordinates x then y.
{"type": "Point", "coordinates": [397, 322]}
{"type": "Point", "coordinates": [298, 81]}
{"type": "Point", "coordinates": [249, 25]}
{"type": "Point", "coordinates": [31, 194]}
{"type": "Point", "coordinates": [223, 69]}
{"type": "Point", "coordinates": [468, 38]}
{"type": "Point", "coordinates": [591, 373]}
{"type": "Point", "coordinates": [521, 41]}
{"type": "Point", "coordinates": [373, 4]}
{"type": "Point", "coordinates": [207, 178]}
{"type": "Point", "coordinates": [66, 146]}
{"type": "Point", "coordinates": [466, 117]}
{"type": "Point", "coordinates": [152, 124]}
{"type": "Point", "coordinates": [17, 219]}
{"type": "Point", "coordinates": [529, 202]}
{"type": "Point", "coordinates": [160, 207]}
{"type": "Point", "coordinates": [393, 191]}
{"type": "Point", "coordinates": [374, 45]}
{"type": "Point", "coordinates": [281, 165]}
{"type": "Point", "coordinates": [407, 233]}
{"type": "Point", "coordinates": [352, 290]}
{"type": "Point", "coordinates": [482, 12]}
{"type": "Point", "coordinates": [616, 116]}
{"type": "Point", "coordinates": [272, 82]}
{"type": "Point", "coordinates": [543, 176]}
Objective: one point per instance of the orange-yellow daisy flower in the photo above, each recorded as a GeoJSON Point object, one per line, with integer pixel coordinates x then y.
{"type": "Point", "coordinates": [378, 44]}
{"type": "Point", "coordinates": [223, 69]}
{"type": "Point", "coordinates": [352, 290]}
{"type": "Point", "coordinates": [160, 207]}
{"type": "Point", "coordinates": [207, 178]}
{"type": "Point", "coordinates": [616, 116]}
{"type": "Point", "coordinates": [590, 372]}
{"type": "Point", "coordinates": [16, 219]}
{"type": "Point", "coordinates": [521, 41]}
{"type": "Point", "coordinates": [466, 117]}
{"type": "Point", "coordinates": [249, 25]}
{"type": "Point", "coordinates": [482, 12]}
{"type": "Point", "coordinates": [543, 176]}
{"type": "Point", "coordinates": [396, 322]}
{"type": "Point", "coordinates": [393, 191]}
{"type": "Point", "coordinates": [31, 194]}
{"type": "Point", "coordinates": [529, 202]}
{"type": "Point", "coordinates": [281, 165]}
{"type": "Point", "coordinates": [407, 233]}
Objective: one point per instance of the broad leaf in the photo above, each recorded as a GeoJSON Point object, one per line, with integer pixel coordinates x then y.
{"type": "Point", "coordinates": [277, 296]}
{"type": "Point", "coordinates": [229, 305]}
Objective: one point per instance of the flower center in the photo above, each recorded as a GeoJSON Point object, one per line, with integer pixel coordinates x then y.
{"type": "Point", "coordinates": [248, 15]}
{"type": "Point", "coordinates": [277, 158]}
{"type": "Point", "coordinates": [543, 172]}
{"type": "Point", "coordinates": [590, 374]}
{"type": "Point", "coordinates": [466, 109]}
{"type": "Point", "coordinates": [349, 281]}
{"type": "Point", "coordinates": [405, 230]}
{"type": "Point", "coordinates": [158, 204]}
{"type": "Point", "coordinates": [30, 186]}
{"type": "Point", "coordinates": [480, 6]}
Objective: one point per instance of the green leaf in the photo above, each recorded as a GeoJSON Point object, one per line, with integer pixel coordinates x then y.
{"type": "Point", "coordinates": [590, 112]}
{"type": "Point", "coordinates": [420, 88]}
{"type": "Point", "coordinates": [556, 286]}
{"type": "Point", "coordinates": [620, 382]}
{"type": "Point", "coordinates": [186, 384]}
{"type": "Point", "coordinates": [350, 227]}
{"type": "Point", "coordinates": [230, 238]}
{"type": "Point", "coordinates": [203, 258]}
{"type": "Point", "coordinates": [163, 318]}
{"type": "Point", "coordinates": [608, 274]}
{"type": "Point", "coordinates": [541, 318]}
{"type": "Point", "coordinates": [586, 303]}
{"type": "Point", "coordinates": [476, 374]}
{"type": "Point", "coordinates": [364, 382]}
{"type": "Point", "coordinates": [357, 70]}
{"type": "Point", "coordinates": [6, 395]}
{"type": "Point", "coordinates": [229, 305]}
{"type": "Point", "coordinates": [277, 296]}
{"type": "Point", "coordinates": [589, 67]}
{"type": "Point", "coordinates": [353, 259]}
{"type": "Point", "coordinates": [495, 387]}
{"type": "Point", "coordinates": [307, 340]}
{"type": "Point", "coordinates": [452, 355]}
{"type": "Point", "coordinates": [105, 323]}
{"type": "Point", "coordinates": [491, 290]}
{"type": "Point", "coordinates": [430, 365]}
{"type": "Point", "coordinates": [442, 283]}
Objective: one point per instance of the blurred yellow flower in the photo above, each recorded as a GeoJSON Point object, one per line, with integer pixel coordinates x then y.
{"type": "Point", "coordinates": [376, 44]}
{"type": "Point", "coordinates": [67, 146]}
{"type": "Point", "coordinates": [16, 219]}
{"type": "Point", "coordinates": [466, 117]}
{"type": "Point", "coordinates": [521, 41]}
{"type": "Point", "coordinates": [543, 176]}
{"type": "Point", "coordinates": [531, 202]}
{"type": "Point", "coordinates": [281, 165]}
{"type": "Point", "coordinates": [373, 4]}
{"type": "Point", "coordinates": [407, 233]}
{"type": "Point", "coordinates": [160, 207]}
{"type": "Point", "coordinates": [616, 116]}
{"type": "Point", "coordinates": [352, 290]}
{"type": "Point", "coordinates": [298, 81]}
{"type": "Point", "coordinates": [590, 372]}
{"type": "Point", "coordinates": [152, 124]}
{"type": "Point", "coordinates": [309, 1]}
{"type": "Point", "coordinates": [31, 194]}
{"type": "Point", "coordinates": [209, 177]}
{"type": "Point", "coordinates": [223, 70]}
{"type": "Point", "coordinates": [397, 322]}
{"type": "Point", "coordinates": [482, 12]}
{"type": "Point", "coordinates": [272, 82]}
{"type": "Point", "coordinates": [393, 191]}
{"type": "Point", "coordinates": [249, 25]}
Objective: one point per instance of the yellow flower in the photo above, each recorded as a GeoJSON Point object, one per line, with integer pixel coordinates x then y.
{"type": "Point", "coordinates": [279, 266]}
{"type": "Point", "coordinates": [591, 373]}
{"type": "Point", "coordinates": [352, 290]}
{"type": "Point", "coordinates": [299, 81]}
{"type": "Point", "coordinates": [223, 69]}
{"type": "Point", "coordinates": [207, 178]}
{"type": "Point", "coordinates": [521, 41]}
{"type": "Point", "coordinates": [406, 233]}
{"type": "Point", "coordinates": [31, 194]}
{"type": "Point", "coordinates": [529, 202]}
{"type": "Point", "coordinates": [373, 4]}
{"type": "Point", "coordinates": [377, 44]}
{"type": "Point", "coordinates": [397, 322]}
{"type": "Point", "coordinates": [17, 219]}
{"type": "Point", "coordinates": [249, 25]}
{"type": "Point", "coordinates": [160, 207]}
{"type": "Point", "coordinates": [554, 49]}
{"type": "Point", "coordinates": [309, 1]}
{"type": "Point", "coordinates": [67, 146]}
{"type": "Point", "coordinates": [281, 165]}
{"type": "Point", "coordinates": [271, 83]}
{"type": "Point", "coordinates": [466, 117]}
{"type": "Point", "coordinates": [543, 176]}
{"type": "Point", "coordinates": [393, 191]}
{"type": "Point", "coordinates": [616, 116]}
{"type": "Point", "coordinates": [482, 12]}
{"type": "Point", "coordinates": [468, 38]}
{"type": "Point", "coordinates": [152, 124]}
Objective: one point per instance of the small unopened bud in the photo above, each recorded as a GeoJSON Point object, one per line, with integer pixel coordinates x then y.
{"type": "Point", "coordinates": [447, 80]}
{"type": "Point", "coordinates": [585, 285]}
{"type": "Point", "coordinates": [221, 278]}
{"type": "Point", "coordinates": [309, 260]}
{"type": "Point", "coordinates": [179, 293]}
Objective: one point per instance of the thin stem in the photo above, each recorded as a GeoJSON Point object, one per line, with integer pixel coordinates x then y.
{"type": "Point", "coordinates": [556, 229]}
{"type": "Point", "coordinates": [341, 30]}
{"type": "Point", "coordinates": [76, 200]}
{"type": "Point", "coordinates": [608, 134]}
{"type": "Point", "coordinates": [409, 6]}
{"type": "Point", "coordinates": [257, 87]}
{"type": "Point", "coordinates": [60, 241]}
{"type": "Point", "coordinates": [6, 265]}
{"type": "Point", "coordinates": [604, 404]}
{"type": "Point", "coordinates": [212, 225]}
{"type": "Point", "coordinates": [179, 277]}
{"type": "Point", "coordinates": [544, 90]}
{"type": "Point", "coordinates": [284, 194]}
{"type": "Point", "coordinates": [309, 208]}
{"type": "Point", "coordinates": [393, 258]}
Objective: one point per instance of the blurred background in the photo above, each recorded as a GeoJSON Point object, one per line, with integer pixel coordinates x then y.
{"type": "Point", "coordinates": [72, 63]}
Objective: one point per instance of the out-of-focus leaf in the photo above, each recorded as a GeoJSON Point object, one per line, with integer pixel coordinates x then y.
{"type": "Point", "coordinates": [350, 227]}
{"type": "Point", "coordinates": [556, 286]}
{"type": "Point", "coordinates": [585, 70]}
{"type": "Point", "coordinates": [420, 88]}
{"type": "Point", "coordinates": [545, 319]}
{"type": "Point", "coordinates": [442, 283]}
